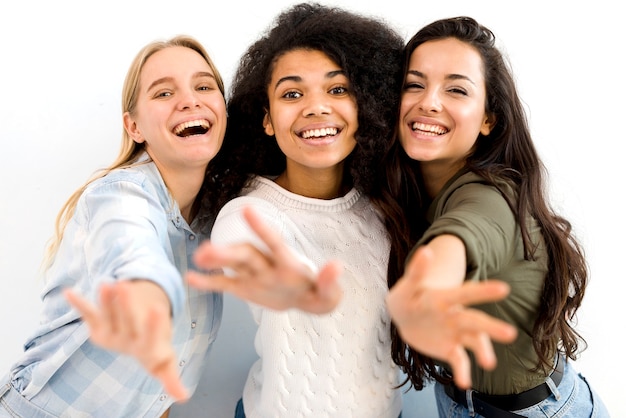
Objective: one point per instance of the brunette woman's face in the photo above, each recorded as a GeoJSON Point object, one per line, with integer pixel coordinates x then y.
{"type": "Point", "coordinates": [180, 112]}
{"type": "Point", "coordinates": [312, 112]}
{"type": "Point", "coordinates": [443, 105]}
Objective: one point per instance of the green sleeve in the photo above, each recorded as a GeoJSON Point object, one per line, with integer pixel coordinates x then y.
{"type": "Point", "coordinates": [479, 215]}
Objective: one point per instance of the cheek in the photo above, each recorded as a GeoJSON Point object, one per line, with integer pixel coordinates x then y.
{"type": "Point", "coordinates": [471, 118]}
{"type": "Point", "coordinates": [219, 107]}
{"type": "Point", "coordinates": [407, 102]}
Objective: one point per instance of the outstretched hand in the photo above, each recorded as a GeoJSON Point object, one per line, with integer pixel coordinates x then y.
{"type": "Point", "coordinates": [438, 323]}
{"type": "Point", "coordinates": [134, 318]}
{"type": "Point", "coordinates": [276, 279]}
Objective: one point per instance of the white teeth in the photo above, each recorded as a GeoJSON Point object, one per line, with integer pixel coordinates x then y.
{"type": "Point", "coordinates": [434, 129]}
{"type": "Point", "coordinates": [192, 123]}
{"type": "Point", "coordinates": [319, 132]}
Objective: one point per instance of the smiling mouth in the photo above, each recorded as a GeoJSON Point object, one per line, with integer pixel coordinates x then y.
{"type": "Point", "coordinates": [194, 127]}
{"type": "Point", "coordinates": [429, 129]}
{"type": "Point", "coordinates": [319, 133]}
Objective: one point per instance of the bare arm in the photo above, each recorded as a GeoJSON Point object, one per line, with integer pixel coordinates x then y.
{"type": "Point", "coordinates": [430, 307]}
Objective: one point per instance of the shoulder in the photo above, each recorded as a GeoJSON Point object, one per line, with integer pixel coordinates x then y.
{"type": "Point", "coordinates": [134, 190]}
{"type": "Point", "coordinates": [470, 203]}
{"type": "Point", "coordinates": [473, 191]}
{"type": "Point", "coordinates": [143, 175]}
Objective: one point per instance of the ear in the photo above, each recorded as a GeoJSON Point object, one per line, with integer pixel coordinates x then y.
{"type": "Point", "coordinates": [488, 124]}
{"type": "Point", "coordinates": [132, 129]}
{"type": "Point", "coordinates": [267, 124]}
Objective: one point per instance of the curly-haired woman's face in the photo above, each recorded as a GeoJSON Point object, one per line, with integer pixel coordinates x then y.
{"type": "Point", "coordinates": [312, 114]}
{"type": "Point", "coordinates": [443, 105]}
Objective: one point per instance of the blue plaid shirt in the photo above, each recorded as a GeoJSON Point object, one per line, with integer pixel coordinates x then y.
{"type": "Point", "coordinates": [126, 225]}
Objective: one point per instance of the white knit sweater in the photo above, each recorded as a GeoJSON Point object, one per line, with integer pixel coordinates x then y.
{"type": "Point", "coordinates": [333, 365]}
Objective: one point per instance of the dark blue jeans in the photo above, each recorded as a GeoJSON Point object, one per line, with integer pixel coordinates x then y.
{"type": "Point", "coordinates": [239, 409]}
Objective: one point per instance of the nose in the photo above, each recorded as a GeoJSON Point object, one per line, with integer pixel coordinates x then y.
{"type": "Point", "coordinates": [317, 104]}
{"type": "Point", "coordinates": [430, 101]}
{"type": "Point", "coordinates": [188, 99]}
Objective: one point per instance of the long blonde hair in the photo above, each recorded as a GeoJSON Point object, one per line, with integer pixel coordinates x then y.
{"type": "Point", "coordinates": [130, 150]}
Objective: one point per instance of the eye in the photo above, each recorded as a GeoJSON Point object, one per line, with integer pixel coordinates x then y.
{"type": "Point", "coordinates": [339, 90]}
{"type": "Point", "coordinates": [162, 94]}
{"type": "Point", "coordinates": [292, 94]}
{"type": "Point", "coordinates": [408, 86]}
{"type": "Point", "coordinates": [458, 90]}
{"type": "Point", "coordinates": [206, 84]}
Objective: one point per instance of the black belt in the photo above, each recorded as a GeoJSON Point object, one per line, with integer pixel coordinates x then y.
{"type": "Point", "coordinates": [496, 406]}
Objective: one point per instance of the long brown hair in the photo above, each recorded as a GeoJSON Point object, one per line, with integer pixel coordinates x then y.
{"type": "Point", "coordinates": [507, 152]}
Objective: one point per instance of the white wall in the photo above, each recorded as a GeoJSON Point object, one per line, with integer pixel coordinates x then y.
{"type": "Point", "coordinates": [62, 65]}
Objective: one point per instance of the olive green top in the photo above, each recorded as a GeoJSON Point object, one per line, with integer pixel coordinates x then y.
{"type": "Point", "coordinates": [479, 215]}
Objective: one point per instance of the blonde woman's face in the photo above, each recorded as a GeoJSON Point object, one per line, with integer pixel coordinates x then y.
{"type": "Point", "coordinates": [180, 113]}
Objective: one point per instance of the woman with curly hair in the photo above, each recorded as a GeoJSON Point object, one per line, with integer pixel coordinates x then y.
{"type": "Point", "coordinates": [312, 109]}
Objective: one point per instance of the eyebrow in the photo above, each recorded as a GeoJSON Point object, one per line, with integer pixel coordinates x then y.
{"type": "Point", "coordinates": [163, 80]}
{"type": "Point", "coordinates": [298, 79]}
{"type": "Point", "coordinates": [448, 77]}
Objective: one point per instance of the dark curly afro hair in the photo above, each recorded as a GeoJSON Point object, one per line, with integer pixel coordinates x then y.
{"type": "Point", "coordinates": [367, 49]}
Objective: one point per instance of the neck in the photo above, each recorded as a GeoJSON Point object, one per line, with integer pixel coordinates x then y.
{"type": "Point", "coordinates": [436, 176]}
{"type": "Point", "coordinates": [319, 184]}
{"type": "Point", "coordinates": [184, 187]}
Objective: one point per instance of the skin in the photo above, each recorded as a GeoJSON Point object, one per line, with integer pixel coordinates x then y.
{"type": "Point", "coordinates": [177, 87]}
{"type": "Point", "coordinates": [441, 114]}
{"type": "Point", "coordinates": [307, 92]}
{"type": "Point", "coordinates": [445, 96]}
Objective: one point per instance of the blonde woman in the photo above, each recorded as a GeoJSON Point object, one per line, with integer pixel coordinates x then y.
{"type": "Point", "coordinates": [136, 224]}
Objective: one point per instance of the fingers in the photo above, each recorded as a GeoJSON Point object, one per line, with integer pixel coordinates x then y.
{"type": "Point", "coordinates": [473, 293]}
{"type": "Point", "coordinates": [87, 310]}
{"type": "Point", "coordinates": [460, 363]}
{"type": "Point", "coordinates": [164, 366]}
{"type": "Point", "coordinates": [99, 320]}
{"type": "Point", "coordinates": [125, 318]}
{"type": "Point", "coordinates": [240, 257]}
{"type": "Point", "coordinates": [273, 240]}
{"type": "Point", "coordinates": [211, 282]}
{"type": "Point", "coordinates": [118, 325]}
{"type": "Point", "coordinates": [327, 281]}
{"type": "Point", "coordinates": [168, 376]}
{"type": "Point", "coordinates": [327, 291]}
{"type": "Point", "coordinates": [473, 321]}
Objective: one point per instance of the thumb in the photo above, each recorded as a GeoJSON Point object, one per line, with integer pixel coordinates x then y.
{"type": "Point", "coordinates": [419, 264]}
{"type": "Point", "coordinates": [327, 283]}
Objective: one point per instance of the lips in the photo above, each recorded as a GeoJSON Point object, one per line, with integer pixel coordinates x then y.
{"type": "Point", "coordinates": [192, 127]}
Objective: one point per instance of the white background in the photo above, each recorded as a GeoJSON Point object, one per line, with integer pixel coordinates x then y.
{"type": "Point", "coordinates": [62, 65]}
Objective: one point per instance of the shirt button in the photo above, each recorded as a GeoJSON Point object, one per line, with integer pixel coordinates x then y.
{"type": "Point", "coordinates": [192, 237]}
{"type": "Point", "coordinates": [182, 363]}
{"type": "Point", "coordinates": [163, 397]}
{"type": "Point", "coordinates": [193, 325]}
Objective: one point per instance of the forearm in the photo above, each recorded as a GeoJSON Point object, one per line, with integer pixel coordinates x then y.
{"type": "Point", "coordinates": [449, 262]}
